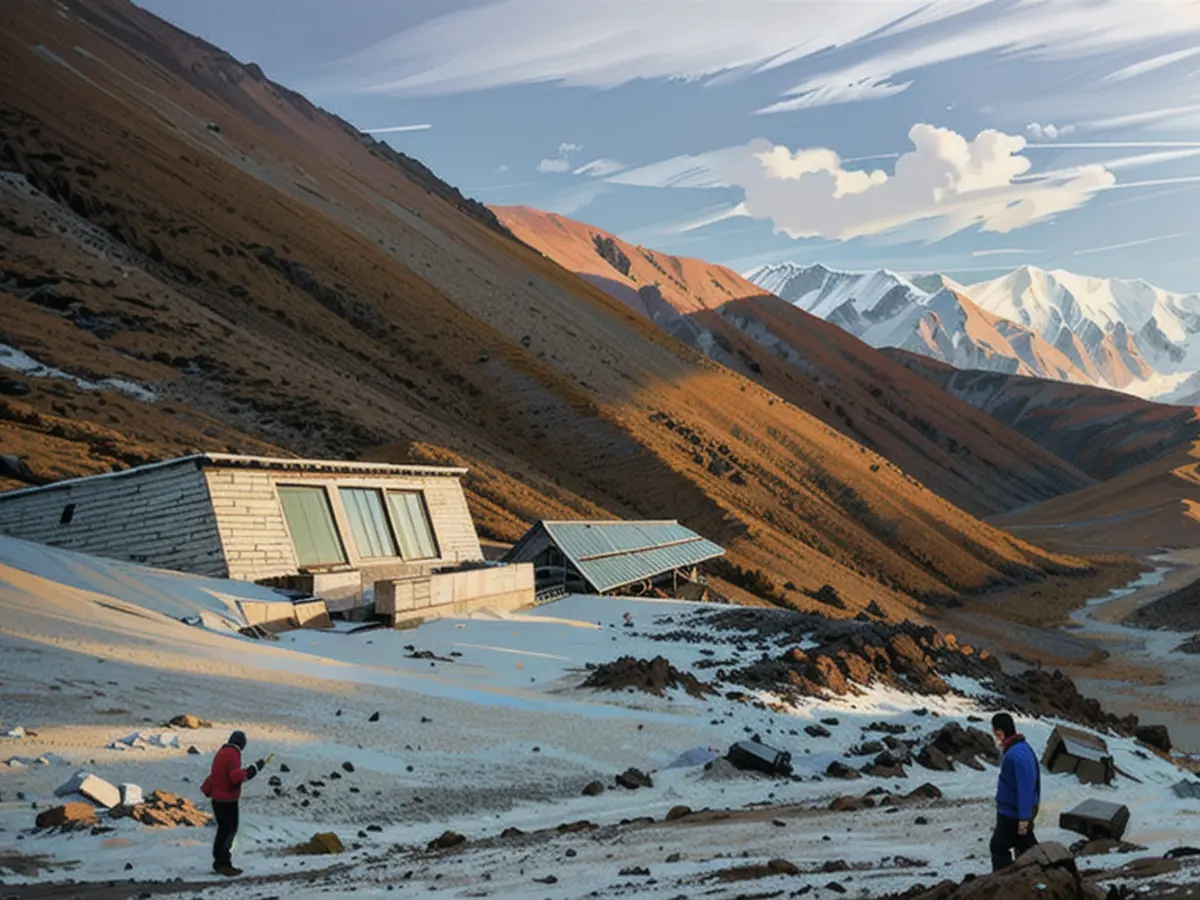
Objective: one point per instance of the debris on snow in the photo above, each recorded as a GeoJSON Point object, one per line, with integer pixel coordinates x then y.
{"type": "Point", "coordinates": [653, 676]}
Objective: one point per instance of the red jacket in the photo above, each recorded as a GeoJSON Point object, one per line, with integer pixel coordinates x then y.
{"type": "Point", "coordinates": [225, 780]}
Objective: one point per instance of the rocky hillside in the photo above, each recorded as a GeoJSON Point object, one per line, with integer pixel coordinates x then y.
{"type": "Point", "coordinates": [196, 258]}
{"type": "Point", "coordinates": [1148, 507]}
{"type": "Point", "coordinates": [1102, 432]}
{"type": "Point", "coordinates": [948, 446]}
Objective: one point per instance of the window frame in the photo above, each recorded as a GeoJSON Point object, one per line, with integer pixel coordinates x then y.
{"type": "Point", "coordinates": [381, 494]}
{"type": "Point", "coordinates": [280, 488]}
{"type": "Point", "coordinates": [424, 506]}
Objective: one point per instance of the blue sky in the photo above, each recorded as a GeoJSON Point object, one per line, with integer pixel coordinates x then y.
{"type": "Point", "coordinates": [964, 136]}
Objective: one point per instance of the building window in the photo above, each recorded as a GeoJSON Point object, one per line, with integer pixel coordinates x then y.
{"type": "Point", "coordinates": [368, 522]}
{"type": "Point", "coordinates": [68, 514]}
{"type": "Point", "coordinates": [411, 520]}
{"type": "Point", "coordinates": [310, 521]}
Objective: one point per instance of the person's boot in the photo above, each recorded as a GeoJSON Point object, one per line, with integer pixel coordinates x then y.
{"type": "Point", "coordinates": [226, 869]}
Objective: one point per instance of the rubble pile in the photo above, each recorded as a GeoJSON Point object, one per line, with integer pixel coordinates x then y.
{"type": "Point", "coordinates": [653, 676]}
{"type": "Point", "coordinates": [166, 810]}
{"type": "Point", "coordinates": [822, 658]}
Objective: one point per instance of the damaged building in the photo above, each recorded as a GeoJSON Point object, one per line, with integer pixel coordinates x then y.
{"type": "Point", "coordinates": [348, 532]}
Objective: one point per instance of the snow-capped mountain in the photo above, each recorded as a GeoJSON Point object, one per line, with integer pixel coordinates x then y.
{"type": "Point", "coordinates": [1111, 332]}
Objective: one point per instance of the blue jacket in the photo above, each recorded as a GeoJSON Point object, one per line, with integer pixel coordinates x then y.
{"type": "Point", "coordinates": [1020, 787]}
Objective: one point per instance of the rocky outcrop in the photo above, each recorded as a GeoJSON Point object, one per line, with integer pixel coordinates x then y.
{"type": "Point", "coordinates": [653, 676]}
{"type": "Point", "coordinates": [1047, 872]}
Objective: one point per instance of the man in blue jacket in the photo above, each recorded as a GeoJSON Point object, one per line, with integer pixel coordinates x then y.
{"type": "Point", "coordinates": [1018, 793]}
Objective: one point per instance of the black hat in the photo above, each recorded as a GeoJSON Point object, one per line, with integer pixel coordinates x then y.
{"type": "Point", "coordinates": [238, 739]}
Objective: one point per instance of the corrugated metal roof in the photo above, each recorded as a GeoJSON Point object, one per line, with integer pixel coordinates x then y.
{"type": "Point", "coordinates": [612, 554]}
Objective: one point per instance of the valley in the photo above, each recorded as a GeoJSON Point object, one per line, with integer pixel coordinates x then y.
{"type": "Point", "coordinates": [858, 514]}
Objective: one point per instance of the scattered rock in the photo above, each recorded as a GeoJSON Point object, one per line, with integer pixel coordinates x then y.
{"type": "Point", "coordinates": [94, 788]}
{"type": "Point", "coordinates": [631, 871]}
{"type": "Point", "coordinates": [652, 677]}
{"type": "Point", "coordinates": [678, 812]}
{"type": "Point", "coordinates": [187, 720]}
{"type": "Point", "coordinates": [68, 816]}
{"type": "Point", "coordinates": [633, 779]}
{"type": "Point", "coordinates": [952, 743]}
{"type": "Point", "coordinates": [593, 789]}
{"type": "Point", "coordinates": [1155, 736]}
{"type": "Point", "coordinates": [512, 833]}
{"type": "Point", "coordinates": [374, 717]}
{"type": "Point", "coordinates": [131, 795]}
{"type": "Point", "coordinates": [447, 840]}
{"type": "Point", "coordinates": [1104, 846]}
{"type": "Point", "coordinates": [838, 769]}
{"type": "Point", "coordinates": [817, 731]}
{"type": "Point", "coordinates": [325, 843]}
{"type": "Point", "coordinates": [548, 879]}
{"type": "Point", "coordinates": [347, 767]}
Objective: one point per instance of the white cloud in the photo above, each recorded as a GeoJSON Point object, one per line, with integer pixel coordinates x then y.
{"type": "Point", "coordinates": [513, 42]}
{"type": "Point", "coordinates": [502, 168]}
{"type": "Point", "coordinates": [395, 129]}
{"type": "Point", "coordinates": [1048, 132]}
{"type": "Point", "coordinates": [557, 165]}
{"type": "Point", "coordinates": [944, 185]}
{"type": "Point", "coordinates": [599, 168]}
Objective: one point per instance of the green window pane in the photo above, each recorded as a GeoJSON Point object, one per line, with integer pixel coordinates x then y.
{"type": "Point", "coordinates": [368, 522]}
{"type": "Point", "coordinates": [411, 520]}
{"type": "Point", "coordinates": [310, 521]}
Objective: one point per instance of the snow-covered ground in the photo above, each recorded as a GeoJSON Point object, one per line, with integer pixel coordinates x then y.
{"type": "Point", "coordinates": [497, 734]}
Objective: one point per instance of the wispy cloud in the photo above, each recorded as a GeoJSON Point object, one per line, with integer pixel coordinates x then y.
{"type": "Point", "coordinates": [498, 43]}
{"type": "Point", "coordinates": [1152, 64]}
{"type": "Point", "coordinates": [599, 168]}
{"type": "Point", "coordinates": [396, 129]}
{"type": "Point", "coordinates": [1111, 145]}
{"type": "Point", "coordinates": [1006, 251]}
{"type": "Point", "coordinates": [944, 185]}
{"type": "Point", "coordinates": [1141, 242]}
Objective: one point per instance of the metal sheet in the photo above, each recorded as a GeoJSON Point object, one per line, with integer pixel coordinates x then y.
{"type": "Point", "coordinates": [612, 554]}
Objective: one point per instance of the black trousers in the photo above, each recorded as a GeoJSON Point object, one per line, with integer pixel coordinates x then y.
{"type": "Point", "coordinates": [1006, 839]}
{"type": "Point", "coordinates": [226, 812]}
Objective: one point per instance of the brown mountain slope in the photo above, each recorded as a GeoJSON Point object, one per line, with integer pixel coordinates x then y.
{"type": "Point", "coordinates": [948, 446]}
{"type": "Point", "coordinates": [1102, 432]}
{"type": "Point", "coordinates": [1154, 505]}
{"type": "Point", "coordinates": [280, 281]}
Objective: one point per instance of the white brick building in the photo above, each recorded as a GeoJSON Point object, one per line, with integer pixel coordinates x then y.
{"type": "Point", "coordinates": [330, 527]}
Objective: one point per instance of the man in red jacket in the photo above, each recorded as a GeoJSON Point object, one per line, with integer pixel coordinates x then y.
{"type": "Point", "coordinates": [224, 787]}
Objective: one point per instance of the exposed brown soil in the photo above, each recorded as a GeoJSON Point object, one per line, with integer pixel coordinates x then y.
{"type": "Point", "coordinates": [286, 284]}
{"type": "Point", "coordinates": [1102, 432]}
{"type": "Point", "coordinates": [1149, 507]}
{"type": "Point", "coordinates": [1049, 603]}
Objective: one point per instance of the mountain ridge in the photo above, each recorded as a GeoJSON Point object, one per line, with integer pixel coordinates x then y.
{"type": "Point", "coordinates": [1108, 332]}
